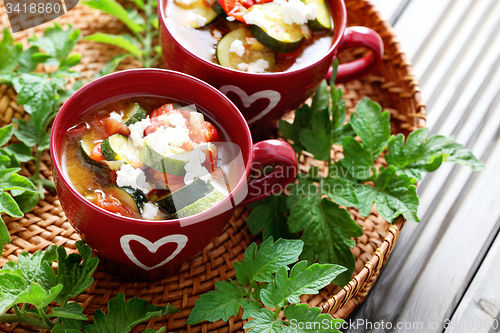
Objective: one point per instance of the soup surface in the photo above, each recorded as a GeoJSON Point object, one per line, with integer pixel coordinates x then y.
{"type": "Point", "coordinates": [255, 39]}
{"type": "Point", "coordinates": [147, 157]}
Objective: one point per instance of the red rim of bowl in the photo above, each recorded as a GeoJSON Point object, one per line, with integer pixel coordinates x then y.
{"type": "Point", "coordinates": [56, 163]}
{"type": "Point", "coordinates": [338, 38]}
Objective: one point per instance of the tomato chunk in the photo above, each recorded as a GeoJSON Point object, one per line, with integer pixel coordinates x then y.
{"type": "Point", "coordinates": [112, 126]}
{"type": "Point", "coordinates": [111, 204]}
{"type": "Point", "coordinates": [78, 129]}
{"type": "Point", "coordinates": [174, 182]}
{"type": "Point", "coordinates": [204, 132]}
{"type": "Point", "coordinates": [96, 153]}
{"type": "Point", "coordinates": [236, 8]}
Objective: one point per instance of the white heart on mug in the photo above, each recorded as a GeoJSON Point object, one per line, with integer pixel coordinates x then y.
{"type": "Point", "coordinates": [273, 96]}
{"type": "Point", "coordinates": [181, 241]}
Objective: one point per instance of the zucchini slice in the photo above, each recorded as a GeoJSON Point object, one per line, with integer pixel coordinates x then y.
{"type": "Point", "coordinates": [130, 197]}
{"type": "Point", "coordinates": [219, 10]}
{"type": "Point", "coordinates": [197, 9]}
{"type": "Point", "coordinates": [282, 37]}
{"type": "Point", "coordinates": [86, 148]}
{"type": "Point", "coordinates": [253, 52]}
{"type": "Point", "coordinates": [119, 148]}
{"type": "Point", "coordinates": [137, 113]}
{"type": "Point", "coordinates": [173, 165]}
{"type": "Point", "coordinates": [184, 196]}
{"type": "Point", "coordinates": [199, 206]}
{"type": "Point", "coordinates": [323, 19]}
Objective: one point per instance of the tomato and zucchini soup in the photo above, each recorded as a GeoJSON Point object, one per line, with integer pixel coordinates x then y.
{"type": "Point", "coordinates": [254, 36]}
{"type": "Point", "coordinates": [146, 158]}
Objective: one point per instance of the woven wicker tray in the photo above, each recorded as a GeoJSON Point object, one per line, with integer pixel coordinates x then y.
{"type": "Point", "coordinates": [392, 85]}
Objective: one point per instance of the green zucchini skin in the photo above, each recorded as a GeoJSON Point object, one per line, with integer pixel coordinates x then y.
{"type": "Point", "coordinates": [119, 148]}
{"type": "Point", "coordinates": [85, 151]}
{"type": "Point", "coordinates": [323, 19]}
{"type": "Point", "coordinates": [138, 114]}
{"type": "Point", "coordinates": [231, 60]}
{"type": "Point", "coordinates": [199, 206]}
{"type": "Point", "coordinates": [219, 10]}
{"type": "Point", "coordinates": [184, 196]}
{"type": "Point", "coordinates": [272, 43]}
{"type": "Point", "coordinates": [129, 195]}
{"type": "Point", "coordinates": [161, 163]}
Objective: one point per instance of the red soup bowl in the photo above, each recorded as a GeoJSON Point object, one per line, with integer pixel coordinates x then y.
{"type": "Point", "coordinates": [146, 249]}
{"type": "Point", "coordinates": [265, 97]}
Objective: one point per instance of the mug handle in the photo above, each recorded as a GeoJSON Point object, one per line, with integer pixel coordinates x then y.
{"type": "Point", "coordinates": [359, 37]}
{"type": "Point", "coordinates": [265, 152]}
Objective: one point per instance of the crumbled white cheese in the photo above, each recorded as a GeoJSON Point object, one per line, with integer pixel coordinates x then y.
{"type": "Point", "coordinates": [237, 47]}
{"type": "Point", "coordinates": [259, 66]}
{"type": "Point", "coordinates": [230, 18]}
{"type": "Point", "coordinates": [295, 11]}
{"type": "Point", "coordinates": [217, 34]}
{"type": "Point", "coordinates": [163, 137]}
{"type": "Point", "coordinates": [255, 16]}
{"type": "Point", "coordinates": [200, 20]}
{"type": "Point", "coordinates": [135, 178]}
{"type": "Point", "coordinates": [186, 3]}
{"type": "Point", "coordinates": [137, 131]}
{"type": "Point", "coordinates": [176, 120]}
{"type": "Point", "coordinates": [115, 116]}
{"type": "Point", "coordinates": [194, 168]}
{"type": "Point", "coordinates": [150, 211]}
{"type": "Point", "coordinates": [251, 40]}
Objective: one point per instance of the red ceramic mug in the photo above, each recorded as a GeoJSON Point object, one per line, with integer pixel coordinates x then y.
{"type": "Point", "coordinates": [146, 249]}
{"type": "Point", "coordinates": [265, 97]}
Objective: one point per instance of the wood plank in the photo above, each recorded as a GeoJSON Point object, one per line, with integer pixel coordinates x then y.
{"type": "Point", "coordinates": [479, 310]}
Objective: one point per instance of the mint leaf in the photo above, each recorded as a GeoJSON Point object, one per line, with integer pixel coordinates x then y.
{"type": "Point", "coordinates": [221, 303]}
{"type": "Point", "coordinates": [269, 215]}
{"type": "Point", "coordinates": [302, 280]}
{"type": "Point", "coordinates": [114, 8]}
{"type": "Point", "coordinates": [264, 322]}
{"type": "Point", "coordinates": [303, 319]}
{"type": "Point", "coordinates": [125, 41]}
{"type": "Point", "coordinates": [111, 65]}
{"type": "Point", "coordinates": [10, 52]}
{"type": "Point", "coordinates": [123, 316]}
{"type": "Point", "coordinates": [22, 152]}
{"type": "Point", "coordinates": [5, 134]}
{"type": "Point", "coordinates": [327, 233]}
{"type": "Point", "coordinates": [263, 261]}
{"type": "Point", "coordinates": [70, 311]}
{"type": "Point", "coordinates": [371, 126]}
{"type": "Point", "coordinates": [11, 285]}
{"type": "Point", "coordinates": [394, 195]}
{"type": "Point", "coordinates": [57, 42]}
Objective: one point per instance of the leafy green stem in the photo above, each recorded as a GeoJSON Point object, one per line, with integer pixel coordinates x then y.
{"type": "Point", "coordinates": [44, 317]}
{"type": "Point", "coordinates": [148, 40]}
{"type": "Point", "coordinates": [24, 318]}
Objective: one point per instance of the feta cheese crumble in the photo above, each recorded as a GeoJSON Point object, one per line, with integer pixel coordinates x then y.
{"type": "Point", "coordinates": [200, 20]}
{"type": "Point", "coordinates": [150, 211]}
{"type": "Point", "coordinates": [259, 66]}
{"type": "Point", "coordinates": [295, 11]}
{"type": "Point", "coordinates": [237, 47]}
{"type": "Point", "coordinates": [194, 168]}
{"type": "Point", "coordinates": [135, 178]}
{"type": "Point", "coordinates": [115, 116]}
{"type": "Point", "coordinates": [163, 137]}
{"type": "Point", "coordinates": [137, 131]}
{"type": "Point", "coordinates": [255, 16]}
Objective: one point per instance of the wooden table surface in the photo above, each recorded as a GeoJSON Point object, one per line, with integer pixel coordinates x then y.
{"type": "Point", "coordinates": [446, 269]}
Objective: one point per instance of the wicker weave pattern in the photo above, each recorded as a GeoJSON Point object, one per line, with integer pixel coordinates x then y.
{"type": "Point", "coordinates": [393, 86]}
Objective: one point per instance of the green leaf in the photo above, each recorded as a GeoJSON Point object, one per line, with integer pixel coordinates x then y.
{"type": "Point", "coordinates": [22, 152]}
{"type": "Point", "coordinates": [140, 4]}
{"type": "Point", "coordinates": [37, 296]}
{"type": "Point", "coordinates": [28, 63]}
{"type": "Point", "coordinates": [264, 322]}
{"type": "Point", "coordinates": [4, 235]}
{"type": "Point", "coordinates": [10, 52]}
{"type": "Point", "coordinates": [394, 195]}
{"type": "Point", "coordinates": [26, 132]}
{"type": "Point", "coordinates": [250, 308]}
{"type": "Point", "coordinates": [318, 139]}
{"type": "Point", "coordinates": [11, 285]}
{"type": "Point", "coordinates": [68, 326]}
{"type": "Point", "coordinates": [8, 205]}
{"type": "Point", "coordinates": [357, 159]}
{"type": "Point", "coordinates": [57, 42]}
{"type": "Point", "coordinates": [125, 41]}
{"type": "Point", "coordinates": [264, 261]}
{"type": "Point", "coordinates": [304, 320]}
{"type": "Point", "coordinates": [73, 273]}
{"type": "Point", "coordinates": [303, 119]}
{"type": "Point", "coordinates": [302, 280]}
{"type": "Point", "coordinates": [221, 303]}
{"type": "Point", "coordinates": [28, 265]}
{"type": "Point", "coordinates": [372, 126]}
{"type": "Point", "coordinates": [150, 330]}
{"type": "Point", "coordinates": [111, 65]}
{"type": "Point", "coordinates": [70, 311]}
{"type": "Point", "coordinates": [269, 215]}
{"type": "Point", "coordinates": [114, 8]}
{"type": "Point", "coordinates": [327, 233]}
{"type": "Point", "coordinates": [123, 316]}
{"type": "Point", "coordinates": [321, 98]}
{"type": "Point", "coordinates": [341, 191]}
{"type": "Point", "coordinates": [17, 182]}
{"type": "Point", "coordinates": [5, 134]}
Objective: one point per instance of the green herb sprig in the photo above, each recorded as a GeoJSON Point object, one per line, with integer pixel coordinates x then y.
{"type": "Point", "coordinates": [30, 285]}
{"type": "Point", "coordinates": [41, 94]}
{"type": "Point", "coordinates": [269, 291]}
{"type": "Point", "coordinates": [143, 27]}
{"type": "Point", "coordinates": [313, 206]}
